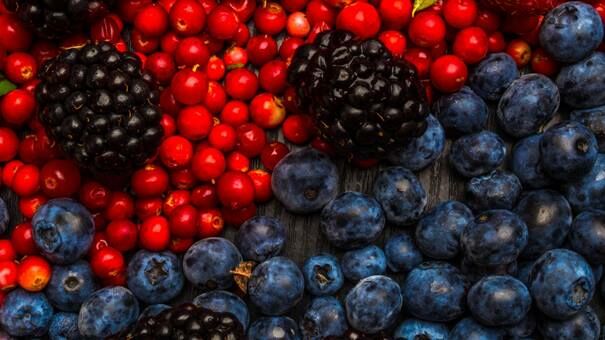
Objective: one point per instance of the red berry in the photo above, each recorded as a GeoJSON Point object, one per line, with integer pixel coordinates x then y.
{"type": "Point", "coordinates": [154, 234]}
{"type": "Point", "coordinates": [223, 22]}
{"type": "Point", "coordinates": [262, 185]}
{"type": "Point", "coordinates": [236, 217]}
{"type": "Point", "coordinates": [129, 9]}
{"type": "Point", "coordinates": [168, 125]}
{"type": "Point", "coordinates": [142, 43]}
{"type": "Point", "coordinates": [489, 21]}
{"type": "Point", "coordinates": [27, 149]}
{"type": "Point", "coordinates": [194, 122]}
{"type": "Point", "coordinates": [120, 206]}
{"type": "Point", "coordinates": [261, 49]}
{"type": "Point", "coordinates": [122, 235]}
{"type": "Point", "coordinates": [273, 153]}
{"type": "Point", "coordinates": [210, 223]}
{"type": "Point", "coordinates": [176, 152]}
{"type": "Point", "coordinates": [147, 207]}
{"type": "Point", "coordinates": [235, 113]}
{"type": "Point", "coordinates": [187, 17]}
{"type": "Point", "coordinates": [17, 107]}
{"type": "Point", "coordinates": [241, 84]}
{"type": "Point", "coordinates": [242, 36]}
{"type": "Point", "coordinates": [289, 46]}
{"type": "Point", "coordinates": [169, 42]}
{"type": "Point", "coordinates": [190, 52]}
{"type": "Point", "coordinates": [14, 35]}
{"type": "Point", "coordinates": [9, 275]}
{"type": "Point", "coordinates": [394, 41]}
{"type": "Point", "coordinates": [189, 87]}
{"type": "Point", "coordinates": [175, 199]}
{"type": "Point", "coordinates": [460, 13]}
{"type": "Point", "coordinates": [150, 181]}
{"type": "Point", "coordinates": [22, 238]}
{"type": "Point", "coordinates": [29, 205]}
{"type": "Point", "coordinates": [107, 262]}
{"type": "Point", "coordinates": [106, 29]}
{"type": "Point", "coordinates": [184, 221]}
{"type": "Point", "coordinates": [182, 179]}
{"type": "Point", "coordinates": [243, 8]}
{"type": "Point", "coordinates": [208, 164]}
{"type": "Point", "coordinates": [237, 161]}
{"type": "Point", "coordinates": [297, 129]}
{"type": "Point", "coordinates": [496, 42]}
{"type": "Point", "coordinates": [272, 76]}
{"type": "Point", "coordinates": [168, 103]}
{"type": "Point", "coordinates": [235, 190]}
{"type": "Point", "coordinates": [325, 147]}
{"type": "Point", "coordinates": [26, 181]}
{"type": "Point", "coordinates": [520, 51]}
{"type": "Point", "coordinates": [215, 68]}
{"type": "Point", "coordinates": [542, 62]}
{"type": "Point", "coordinates": [235, 57]}
{"type": "Point", "coordinates": [267, 111]}
{"type": "Point", "coordinates": [471, 45]}
{"type": "Point", "coordinates": [204, 197]}
{"type": "Point", "coordinates": [34, 273]}
{"type": "Point", "coordinates": [152, 21]}
{"type": "Point", "coordinates": [180, 245]}
{"type": "Point", "coordinates": [318, 12]}
{"type": "Point", "coordinates": [99, 241]}
{"type": "Point", "coordinates": [9, 144]}
{"type": "Point", "coordinates": [395, 13]}
{"type": "Point", "coordinates": [20, 67]}
{"type": "Point", "coordinates": [223, 137]}
{"type": "Point", "coordinates": [360, 18]}
{"type": "Point", "coordinates": [426, 29]}
{"type": "Point", "coordinates": [298, 25]}
{"type": "Point", "coordinates": [448, 73]}
{"type": "Point", "coordinates": [215, 98]}
{"type": "Point", "coordinates": [251, 139]}
{"type": "Point", "coordinates": [270, 19]}
{"type": "Point", "coordinates": [94, 196]}
{"type": "Point", "coordinates": [60, 178]}
{"type": "Point", "coordinates": [294, 5]}
{"type": "Point", "coordinates": [161, 66]}
{"type": "Point", "coordinates": [7, 251]}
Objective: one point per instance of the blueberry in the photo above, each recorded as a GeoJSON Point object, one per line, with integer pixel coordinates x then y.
{"type": "Point", "coordinates": [594, 119]}
{"type": "Point", "coordinates": [25, 314]}
{"type": "Point", "coordinates": [477, 154]}
{"type": "Point", "coordinates": [4, 217]}
{"type": "Point", "coordinates": [402, 255]}
{"type": "Point", "coordinates": [527, 105]}
{"type": "Point", "coordinates": [584, 325]}
{"type": "Point", "coordinates": [495, 237]}
{"type": "Point", "coordinates": [63, 230]}
{"type": "Point", "coordinates": [70, 286]}
{"type": "Point", "coordinates": [413, 329]}
{"type": "Point", "coordinates": [468, 328]}
{"type": "Point", "coordinates": [462, 112]}
{"type": "Point", "coordinates": [568, 151]}
{"type": "Point", "coordinates": [64, 326]}
{"type": "Point", "coordinates": [352, 220]}
{"type": "Point", "coordinates": [153, 310]}
{"type": "Point", "coordinates": [220, 301]}
{"type": "Point", "coordinates": [571, 31]}
{"type": "Point", "coordinates": [323, 275]}
{"type": "Point", "coordinates": [304, 181]}
{"type": "Point", "coordinates": [524, 328]}
{"type": "Point", "coordinates": [401, 195]}
{"type": "Point", "coordinates": [587, 236]}
{"type": "Point", "coordinates": [325, 317]}
{"type": "Point", "coordinates": [435, 291]}
{"type": "Point", "coordinates": [274, 328]}
{"type": "Point", "coordinates": [360, 263]}
{"type": "Point", "coordinates": [582, 85]}
{"type": "Point", "coordinates": [260, 238]}
{"type": "Point", "coordinates": [474, 272]}
{"type": "Point", "coordinates": [548, 217]}
{"type": "Point", "coordinates": [276, 285]}
{"type": "Point", "coordinates": [108, 311]}
{"type": "Point", "coordinates": [420, 152]}
{"type": "Point", "coordinates": [497, 190]}
{"type": "Point", "coordinates": [493, 75]}
{"type": "Point", "coordinates": [561, 283]}
{"type": "Point", "coordinates": [499, 301]}
{"type": "Point", "coordinates": [155, 277]}
{"type": "Point", "coordinates": [588, 192]}
{"type": "Point", "coordinates": [525, 163]}
{"type": "Point", "coordinates": [373, 305]}
{"type": "Point", "coordinates": [208, 263]}
{"type": "Point", "coordinates": [438, 232]}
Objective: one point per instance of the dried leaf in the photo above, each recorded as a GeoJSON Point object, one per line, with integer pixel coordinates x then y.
{"type": "Point", "coordinates": [241, 274]}
{"type": "Point", "coordinates": [419, 5]}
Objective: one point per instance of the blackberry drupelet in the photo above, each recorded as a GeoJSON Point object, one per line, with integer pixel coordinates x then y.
{"type": "Point", "coordinates": [363, 101]}
{"type": "Point", "coordinates": [56, 19]}
{"type": "Point", "coordinates": [187, 322]}
{"type": "Point", "coordinates": [100, 107]}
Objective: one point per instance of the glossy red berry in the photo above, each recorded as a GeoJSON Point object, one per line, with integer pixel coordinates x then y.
{"type": "Point", "coordinates": [235, 113]}
{"type": "Point", "coordinates": [273, 153]}
{"type": "Point", "coordinates": [194, 122]}
{"type": "Point", "coordinates": [208, 164]}
{"type": "Point", "coordinates": [170, 42]}
{"type": "Point", "coordinates": [143, 44]}
{"type": "Point", "coordinates": [152, 21]}
{"type": "Point", "coordinates": [261, 49]}
{"type": "Point", "coordinates": [189, 87]}
{"type": "Point", "coordinates": [14, 35]}
{"type": "Point", "coordinates": [60, 178]}
{"type": "Point", "coordinates": [150, 181]}
{"type": "Point", "coordinates": [175, 199]}
{"type": "Point", "coordinates": [241, 84]}
{"type": "Point", "coordinates": [29, 205]}
{"type": "Point", "coordinates": [210, 223]}
{"type": "Point", "coordinates": [460, 13]}
{"type": "Point", "coordinates": [99, 241]}
{"type": "Point", "coordinates": [9, 275]}
{"type": "Point", "coordinates": [184, 221]}
{"type": "Point", "coordinates": [154, 234]}
{"type": "Point", "coordinates": [395, 14]}
{"type": "Point", "coordinates": [272, 76]}
{"type": "Point", "coordinates": [520, 51]}
{"type": "Point", "coordinates": [235, 190]}
{"type": "Point", "coordinates": [7, 251]}
{"type": "Point", "coordinates": [34, 273]}
{"type": "Point", "coordinates": [17, 107]}
{"type": "Point", "coordinates": [120, 206]}
{"type": "Point", "coordinates": [448, 73]}
{"type": "Point", "coordinates": [107, 262]}
{"type": "Point", "coordinates": [9, 144]}
{"type": "Point", "coordinates": [360, 18]}
{"type": "Point", "coordinates": [394, 41]}
{"type": "Point", "coordinates": [270, 19]}
{"type": "Point", "coordinates": [215, 98]}
{"type": "Point", "coordinates": [288, 47]}
{"type": "Point", "coordinates": [489, 21]}
{"type": "Point", "coordinates": [204, 196]}
{"type": "Point", "coordinates": [122, 235]}
{"type": "Point", "coordinates": [426, 29]}
{"type": "Point", "coordinates": [26, 181]}
{"type": "Point", "coordinates": [496, 42]}
{"type": "Point", "coordinates": [223, 22]}
{"type": "Point", "coordinates": [543, 63]}
{"type": "Point", "coordinates": [215, 68]}
{"type": "Point", "coordinates": [261, 180]}
{"type": "Point", "coordinates": [235, 57]}
{"type": "Point", "coordinates": [187, 17]}
{"type": "Point", "coordinates": [237, 161]}
{"type": "Point", "coordinates": [236, 217]}
{"type": "Point", "coordinates": [22, 238]}
{"type": "Point", "coordinates": [168, 125]}
{"type": "Point", "coordinates": [182, 179]}
{"type": "Point", "coordinates": [161, 66]}
{"type": "Point", "coordinates": [267, 111]}
{"type": "Point", "coordinates": [250, 139]}
{"type": "Point", "coordinates": [297, 129]}
{"type": "Point", "coordinates": [471, 45]}
{"type": "Point", "coordinates": [318, 12]}
{"type": "Point", "coordinates": [176, 152]}
{"type": "Point", "coordinates": [223, 137]}
{"type": "Point", "coordinates": [190, 52]}
{"type": "Point", "coordinates": [180, 245]}
{"type": "Point", "coordinates": [298, 25]}
{"type": "Point", "coordinates": [94, 196]}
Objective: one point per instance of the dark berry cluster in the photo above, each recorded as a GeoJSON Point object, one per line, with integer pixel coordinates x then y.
{"type": "Point", "coordinates": [100, 107]}
{"type": "Point", "coordinates": [363, 100]}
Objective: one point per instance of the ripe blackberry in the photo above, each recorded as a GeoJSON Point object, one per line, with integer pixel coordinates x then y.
{"type": "Point", "coordinates": [100, 107]}
{"type": "Point", "coordinates": [56, 19]}
{"type": "Point", "coordinates": [363, 101]}
{"type": "Point", "coordinates": [187, 322]}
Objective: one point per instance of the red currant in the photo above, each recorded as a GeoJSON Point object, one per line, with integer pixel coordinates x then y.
{"type": "Point", "coordinates": [297, 129]}
{"type": "Point", "coordinates": [261, 49]}
{"type": "Point", "coordinates": [223, 22]}
{"type": "Point", "coordinates": [395, 13]}
{"type": "Point", "coordinates": [241, 84]}
{"type": "Point", "coordinates": [190, 52]}
{"type": "Point", "coordinates": [251, 139]}
{"type": "Point", "coordinates": [176, 152]}
{"type": "Point", "coordinates": [215, 68]}
{"type": "Point", "coordinates": [272, 76]}
{"type": "Point", "coordinates": [60, 178]}
{"type": "Point", "coordinates": [273, 153]}
{"type": "Point", "coordinates": [26, 181]}
{"type": "Point", "coordinates": [189, 87]}
{"type": "Point", "coordinates": [107, 262]}
{"type": "Point", "coordinates": [152, 21]}
{"type": "Point", "coordinates": [22, 238]}
{"type": "Point", "coordinates": [270, 18]}
{"type": "Point", "coordinates": [223, 137]}
{"type": "Point", "coordinates": [235, 113]}
{"type": "Point", "coordinates": [119, 207]}
{"type": "Point", "coordinates": [237, 161]}
{"type": "Point", "coordinates": [94, 196]}
{"type": "Point", "coordinates": [215, 98]}
{"type": "Point", "coordinates": [161, 66]}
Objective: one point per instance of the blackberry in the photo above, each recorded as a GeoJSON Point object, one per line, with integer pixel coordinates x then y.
{"type": "Point", "coordinates": [100, 107]}
{"type": "Point", "coordinates": [56, 19]}
{"type": "Point", "coordinates": [363, 101]}
{"type": "Point", "coordinates": [187, 322]}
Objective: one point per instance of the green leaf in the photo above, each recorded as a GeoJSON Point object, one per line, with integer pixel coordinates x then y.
{"type": "Point", "coordinates": [419, 5]}
{"type": "Point", "coordinates": [6, 86]}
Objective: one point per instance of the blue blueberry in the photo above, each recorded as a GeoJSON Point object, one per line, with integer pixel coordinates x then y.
{"type": "Point", "coordinates": [401, 195]}
{"type": "Point", "coordinates": [323, 275]}
{"type": "Point", "coordinates": [4, 217]}
{"type": "Point", "coordinates": [525, 163]}
{"type": "Point", "coordinates": [276, 285]}
{"type": "Point", "coordinates": [499, 300]}
{"type": "Point", "coordinates": [274, 328]}
{"type": "Point", "coordinates": [412, 329]}
{"type": "Point", "coordinates": [584, 325]}
{"type": "Point", "coordinates": [495, 237]}
{"type": "Point", "coordinates": [477, 154]}
{"type": "Point", "coordinates": [548, 217]}
{"type": "Point", "coordinates": [70, 286]}
{"type": "Point", "coordinates": [220, 301]}
{"type": "Point", "coordinates": [401, 253]}
{"type": "Point", "coordinates": [561, 283]}
{"type": "Point", "coordinates": [325, 317]}
{"type": "Point", "coordinates": [63, 230]}
{"type": "Point", "coordinates": [25, 314]}
{"type": "Point", "coordinates": [588, 192]}
{"type": "Point", "coordinates": [582, 85]}
{"type": "Point", "coordinates": [305, 181]}
{"type": "Point", "coordinates": [108, 311]}
{"type": "Point", "coordinates": [594, 119]}
{"type": "Point", "coordinates": [493, 75]}
{"type": "Point", "coordinates": [497, 190]}
{"type": "Point", "coordinates": [64, 326]}
{"type": "Point", "coordinates": [153, 310]}
{"type": "Point", "coordinates": [420, 152]}
{"type": "Point", "coordinates": [524, 328]}
{"type": "Point", "coordinates": [468, 328]}
{"type": "Point", "coordinates": [474, 272]}
{"type": "Point", "coordinates": [571, 31]}
{"type": "Point", "coordinates": [155, 277]}
{"type": "Point", "coordinates": [208, 263]}
{"type": "Point", "coordinates": [260, 238]}
{"type": "Point", "coordinates": [374, 304]}
{"type": "Point", "coordinates": [568, 151]}
{"type": "Point", "coordinates": [438, 231]}
{"type": "Point", "coordinates": [360, 263]}
{"type": "Point", "coordinates": [462, 112]}
{"type": "Point", "coordinates": [587, 236]}
{"type": "Point", "coordinates": [352, 220]}
{"type": "Point", "coordinates": [435, 291]}
{"type": "Point", "coordinates": [523, 271]}
{"type": "Point", "coordinates": [527, 105]}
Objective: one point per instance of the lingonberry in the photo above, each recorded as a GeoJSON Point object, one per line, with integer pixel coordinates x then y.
{"type": "Point", "coordinates": [261, 49]}
{"type": "Point", "coordinates": [242, 35]}
{"type": "Point", "coordinates": [142, 43]}
{"type": "Point", "coordinates": [191, 51]}
{"type": "Point", "coordinates": [267, 110]}
{"type": "Point", "coordinates": [152, 21]}
{"type": "Point", "coordinates": [210, 223]}
{"type": "Point", "coordinates": [223, 137]}
{"type": "Point", "coordinates": [29, 205]}
{"type": "Point", "coordinates": [250, 139]}
{"type": "Point", "coordinates": [17, 107]}
{"type": "Point", "coordinates": [288, 47]}
{"type": "Point", "coordinates": [394, 41]}
{"type": "Point", "coordinates": [189, 87]}
{"type": "Point", "coordinates": [187, 17]}
{"type": "Point", "coordinates": [107, 262]}
{"type": "Point", "coordinates": [99, 241]}
{"type": "Point", "coordinates": [272, 153]}
{"type": "Point", "coordinates": [176, 152]}
{"type": "Point", "coordinates": [119, 207]}
{"type": "Point", "coordinates": [215, 98]}
{"type": "Point", "coordinates": [26, 181]}
{"type": "Point", "coordinates": [235, 113]}
{"type": "Point", "coordinates": [204, 196]}
{"type": "Point", "coordinates": [9, 275]}
{"type": "Point", "coordinates": [471, 45]}
{"type": "Point", "coordinates": [496, 42]}
{"type": "Point", "coordinates": [270, 18]}
{"type": "Point", "coordinates": [22, 238]}
{"type": "Point", "coordinates": [360, 18]}
{"type": "Point", "coordinates": [488, 20]}
{"type": "Point", "coordinates": [60, 178]}
{"type": "Point", "coordinates": [27, 149]}
{"type": "Point", "coordinates": [182, 179]}
{"type": "Point", "coordinates": [208, 164]}
{"type": "Point", "coordinates": [272, 76]}
{"type": "Point", "coordinates": [448, 73]}
{"type": "Point", "coordinates": [318, 12]}
{"type": "Point", "coordinates": [122, 235]}
{"type": "Point", "coordinates": [520, 51]}
{"type": "Point", "coordinates": [261, 180]}
{"type": "Point", "coordinates": [460, 13]}
{"type": "Point", "coordinates": [194, 122]}
{"type": "Point", "coordinates": [168, 103]}
{"type": "Point", "coordinates": [297, 129]}
{"type": "Point", "coordinates": [150, 181]}
{"type": "Point", "coordinates": [169, 42]}
{"type": "Point", "coordinates": [14, 35]}
{"type": "Point", "coordinates": [235, 190]}
{"type": "Point", "coordinates": [148, 207]}
{"type": "Point", "coordinates": [426, 29]}
{"type": "Point", "coordinates": [235, 57]}
{"type": "Point", "coordinates": [161, 66]}
{"type": "Point", "coordinates": [168, 125]}
{"type": "Point", "coordinates": [215, 68]}
{"type": "Point", "coordinates": [237, 161]}
{"type": "Point", "coordinates": [223, 23]}
{"type": "Point", "coordinates": [183, 221]}
{"type": "Point", "coordinates": [298, 25]}
{"type": "Point", "coordinates": [542, 62]}
{"type": "Point", "coordinates": [175, 199]}
{"type": "Point", "coordinates": [180, 245]}
{"type": "Point", "coordinates": [10, 169]}
{"type": "Point", "coordinates": [94, 196]}
{"type": "Point", "coordinates": [154, 234]}
{"type": "Point", "coordinates": [236, 217]}
{"type": "Point", "coordinates": [395, 14]}
{"type": "Point", "coordinates": [7, 251]}
{"type": "Point", "coordinates": [20, 67]}
{"type": "Point", "coordinates": [34, 272]}
{"type": "Point", "coordinates": [241, 84]}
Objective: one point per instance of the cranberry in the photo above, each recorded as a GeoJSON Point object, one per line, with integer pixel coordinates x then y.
{"type": "Point", "coordinates": [215, 98]}
{"type": "Point", "coordinates": [183, 221]}
{"type": "Point", "coordinates": [150, 181]}
{"type": "Point", "coordinates": [241, 84]}
{"type": "Point", "coordinates": [168, 125]}
{"type": "Point", "coordinates": [426, 29]}
{"type": "Point", "coordinates": [105, 29]}
{"type": "Point", "coordinates": [29, 205]}
{"type": "Point", "coordinates": [243, 8]}
{"type": "Point", "coordinates": [235, 190]}
{"type": "Point", "coordinates": [261, 49]}
{"type": "Point", "coordinates": [128, 9]}
{"type": "Point", "coordinates": [208, 164]}
{"type": "Point", "coordinates": [210, 223]}
{"type": "Point", "coordinates": [520, 51]}
{"type": "Point", "coordinates": [152, 21]}
{"type": "Point", "coordinates": [143, 44]}
{"type": "Point", "coordinates": [267, 111]}
{"type": "Point", "coordinates": [394, 41]}
{"type": "Point", "coordinates": [496, 42]}
{"type": "Point", "coordinates": [489, 21]}
{"type": "Point", "coordinates": [261, 180]}
{"type": "Point", "coordinates": [471, 45]}
{"type": "Point", "coordinates": [14, 36]}
{"type": "Point", "coordinates": [180, 245]}
{"type": "Point", "coordinates": [223, 137]}
{"type": "Point", "coordinates": [107, 262]}
{"type": "Point", "coordinates": [169, 42]}
{"type": "Point", "coordinates": [235, 113]}
{"type": "Point", "coordinates": [189, 87]}
{"type": "Point", "coordinates": [361, 18]}
{"type": "Point", "coordinates": [237, 161]}
{"type": "Point", "coordinates": [26, 181]}
{"type": "Point", "coordinates": [9, 144]}
{"type": "Point", "coordinates": [161, 66]}
{"type": "Point", "coordinates": [223, 22]}
{"type": "Point", "coordinates": [251, 139]}
{"type": "Point", "coordinates": [22, 238]}
{"type": "Point", "coordinates": [236, 217]}
{"type": "Point", "coordinates": [60, 178]}
{"type": "Point", "coordinates": [448, 73]}
{"type": "Point", "coordinates": [9, 171]}
{"type": "Point", "coordinates": [182, 178]}
{"type": "Point", "coordinates": [120, 206]}
{"type": "Point", "coordinates": [94, 196]}
{"type": "Point", "coordinates": [99, 241]}
{"type": "Point", "coordinates": [168, 103]}
{"type": "Point", "coordinates": [273, 153]}
{"type": "Point", "coordinates": [288, 47]}
{"type": "Point", "coordinates": [122, 235]}
{"type": "Point", "coordinates": [204, 197]}
{"type": "Point", "coordinates": [235, 57]}
{"type": "Point", "coordinates": [543, 63]}
{"type": "Point", "coordinates": [175, 199]}
{"type": "Point", "coordinates": [187, 17]}
{"type": "Point", "coordinates": [298, 25]}
{"type": "Point", "coordinates": [318, 12]}
{"type": "Point", "coordinates": [20, 67]}
{"type": "Point", "coordinates": [147, 207]}
{"type": "Point", "coordinates": [297, 128]}
{"type": "Point", "coordinates": [7, 251]}
{"type": "Point", "coordinates": [34, 273]}
{"type": "Point", "coordinates": [9, 275]}
{"type": "Point", "coordinates": [460, 13]}
{"type": "Point", "coordinates": [395, 13]}
{"type": "Point", "coordinates": [215, 68]}
{"type": "Point", "coordinates": [176, 152]}
{"type": "Point", "coordinates": [194, 122]}
{"type": "Point", "coordinates": [242, 35]}
{"type": "Point", "coordinates": [17, 107]}
{"type": "Point", "coordinates": [272, 76]}
{"type": "Point", "coordinates": [270, 18]}
{"type": "Point", "coordinates": [154, 234]}
{"type": "Point", "coordinates": [190, 52]}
